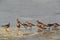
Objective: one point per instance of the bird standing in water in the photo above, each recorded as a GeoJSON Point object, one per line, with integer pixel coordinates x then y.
{"type": "Point", "coordinates": [18, 25]}
{"type": "Point", "coordinates": [41, 26]}
{"type": "Point", "coordinates": [25, 26]}
{"type": "Point", "coordinates": [6, 26]}
{"type": "Point", "coordinates": [55, 26]}
{"type": "Point", "coordinates": [30, 25]}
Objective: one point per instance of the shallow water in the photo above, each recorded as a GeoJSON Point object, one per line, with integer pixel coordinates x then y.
{"type": "Point", "coordinates": [15, 35]}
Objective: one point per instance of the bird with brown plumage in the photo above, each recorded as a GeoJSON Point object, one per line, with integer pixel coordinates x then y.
{"type": "Point", "coordinates": [6, 26]}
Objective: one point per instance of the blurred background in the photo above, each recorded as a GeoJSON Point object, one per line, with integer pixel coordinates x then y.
{"type": "Point", "coordinates": [47, 11]}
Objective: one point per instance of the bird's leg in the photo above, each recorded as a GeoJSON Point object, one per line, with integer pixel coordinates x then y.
{"type": "Point", "coordinates": [55, 28]}
{"type": "Point", "coordinates": [44, 30]}
{"type": "Point", "coordinates": [6, 29]}
{"type": "Point", "coordinates": [49, 28]}
{"type": "Point", "coordinates": [25, 28]}
{"type": "Point", "coordinates": [30, 29]}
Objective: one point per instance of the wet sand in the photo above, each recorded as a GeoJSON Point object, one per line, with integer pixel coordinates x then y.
{"type": "Point", "coordinates": [14, 35]}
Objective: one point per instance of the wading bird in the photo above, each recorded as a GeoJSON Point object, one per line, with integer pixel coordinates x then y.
{"type": "Point", "coordinates": [28, 24]}
{"type": "Point", "coordinates": [41, 26]}
{"type": "Point", "coordinates": [6, 26]}
{"type": "Point", "coordinates": [18, 25]}
{"type": "Point", "coordinates": [55, 25]}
